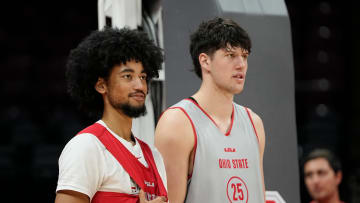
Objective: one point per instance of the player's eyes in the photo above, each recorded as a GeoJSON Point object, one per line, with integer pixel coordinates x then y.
{"type": "Point", "coordinates": [127, 76]}
{"type": "Point", "coordinates": [143, 77]}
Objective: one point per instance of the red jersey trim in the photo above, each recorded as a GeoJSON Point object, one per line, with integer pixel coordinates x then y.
{"type": "Point", "coordinates": [231, 124]}
{"type": "Point", "coordinates": [248, 112]}
{"type": "Point", "coordinates": [195, 136]}
{"type": "Point", "coordinates": [110, 197]}
{"type": "Point", "coordinates": [115, 194]}
{"type": "Point", "coordinates": [136, 170]}
{"type": "Point", "coordinates": [232, 117]}
{"type": "Point", "coordinates": [99, 133]}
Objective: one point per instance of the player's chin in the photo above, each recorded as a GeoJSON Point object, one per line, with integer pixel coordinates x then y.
{"type": "Point", "coordinates": [237, 90]}
{"type": "Point", "coordinates": [138, 106]}
{"type": "Point", "coordinates": [318, 195]}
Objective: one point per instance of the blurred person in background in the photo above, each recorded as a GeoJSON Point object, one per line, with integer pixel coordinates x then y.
{"type": "Point", "coordinates": [322, 176]}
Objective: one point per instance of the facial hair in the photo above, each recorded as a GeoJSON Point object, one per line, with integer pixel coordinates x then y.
{"type": "Point", "coordinates": [127, 109]}
{"type": "Point", "coordinates": [132, 111]}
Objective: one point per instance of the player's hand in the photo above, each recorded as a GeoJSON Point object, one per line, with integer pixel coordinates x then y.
{"type": "Point", "coordinates": [160, 199]}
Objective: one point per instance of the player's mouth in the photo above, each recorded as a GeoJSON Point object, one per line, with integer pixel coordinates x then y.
{"type": "Point", "coordinates": [317, 190]}
{"type": "Point", "coordinates": [138, 96]}
{"type": "Point", "coordinates": [239, 77]}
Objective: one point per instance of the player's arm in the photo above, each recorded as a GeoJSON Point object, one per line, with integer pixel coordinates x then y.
{"type": "Point", "coordinates": [80, 157]}
{"type": "Point", "coordinates": [174, 138]}
{"type": "Point", "coordinates": [69, 196]}
{"type": "Point", "coordinates": [259, 126]}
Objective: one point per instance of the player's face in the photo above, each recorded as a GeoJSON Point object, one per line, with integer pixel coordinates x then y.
{"type": "Point", "coordinates": [127, 88]}
{"type": "Point", "coordinates": [320, 179]}
{"type": "Point", "coordinates": [228, 69]}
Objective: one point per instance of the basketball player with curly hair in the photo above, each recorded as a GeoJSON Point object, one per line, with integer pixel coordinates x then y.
{"type": "Point", "coordinates": [108, 75]}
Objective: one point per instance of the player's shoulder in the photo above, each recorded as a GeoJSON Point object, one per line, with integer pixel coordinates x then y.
{"type": "Point", "coordinates": [83, 150]}
{"type": "Point", "coordinates": [174, 116]}
{"type": "Point", "coordinates": [254, 116]}
{"type": "Point", "coordinates": [174, 126]}
{"type": "Point", "coordinates": [84, 143]}
{"type": "Point", "coordinates": [257, 122]}
{"type": "Point", "coordinates": [174, 122]}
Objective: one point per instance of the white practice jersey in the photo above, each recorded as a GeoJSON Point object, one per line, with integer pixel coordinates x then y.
{"type": "Point", "coordinates": [86, 166]}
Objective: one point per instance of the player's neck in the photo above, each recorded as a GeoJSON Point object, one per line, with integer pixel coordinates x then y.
{"type": "Point", "coordinates": [216, 103]}
{"type": "Point", "coordinates": [118, 122]}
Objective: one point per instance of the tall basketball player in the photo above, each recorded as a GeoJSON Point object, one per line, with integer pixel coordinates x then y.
{"type": "Point", "coordinates": [212, 147]}
{"type": "Point", "coordinates": [108, 74]}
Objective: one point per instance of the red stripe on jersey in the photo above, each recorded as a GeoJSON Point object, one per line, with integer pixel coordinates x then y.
{"type": "Point", "coordinates": [232, 117]}
{"type": "Point", "coordinates": [248, 112]}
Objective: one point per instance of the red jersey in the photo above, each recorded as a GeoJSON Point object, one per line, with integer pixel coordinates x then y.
{"type": "Point", "coordinates": [147, 178]}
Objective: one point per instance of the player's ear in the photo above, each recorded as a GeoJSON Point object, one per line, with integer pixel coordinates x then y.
{"type": "Point", "coordinates": [100, 85]}
{"type": "Point", "coordinates": [204, 61]}
{"type": "Point", "coordinates": [338, 177]}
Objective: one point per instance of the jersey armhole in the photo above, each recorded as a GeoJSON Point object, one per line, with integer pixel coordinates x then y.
{"type": "Point", "coordinates": [195, 136]}
{"type": "Point", "coordinates": [252, 123]}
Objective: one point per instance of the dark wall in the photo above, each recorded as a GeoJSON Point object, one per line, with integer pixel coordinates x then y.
{"type": "Point", "coordinates": [37, 115]}
{"type": "Point", "coordinates": [325, 41]}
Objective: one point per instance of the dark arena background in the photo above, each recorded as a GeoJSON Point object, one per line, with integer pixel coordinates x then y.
{"type": "Point", "coordinates": [38, 117]}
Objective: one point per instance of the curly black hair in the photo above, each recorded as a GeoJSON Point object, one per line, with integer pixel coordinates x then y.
{"type": "Point", "coordinates": [216, 34]}
{"type": "Point", "coordinates": [97, 55]}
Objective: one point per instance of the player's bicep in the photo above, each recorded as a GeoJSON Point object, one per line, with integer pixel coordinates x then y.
{"type": "Point", "coordinates": [69, 196]}
{"type": "Point", "coordinates": [174, 136]}
{"type": "Point", "coordinates": [174, 139]}
{"type": "Point", "coordinates": [259, 126]}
